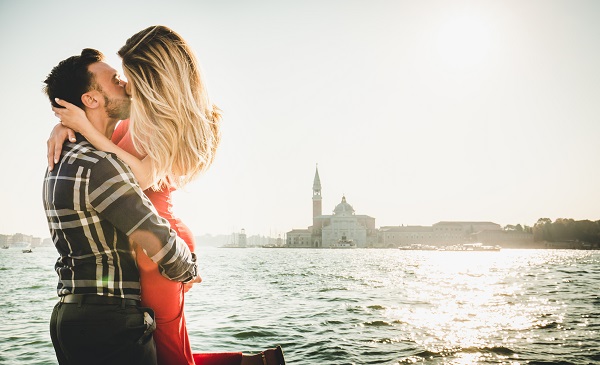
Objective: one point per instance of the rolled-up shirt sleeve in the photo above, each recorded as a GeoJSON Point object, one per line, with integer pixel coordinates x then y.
{"type": "Point", "coordinates": [116, 196]}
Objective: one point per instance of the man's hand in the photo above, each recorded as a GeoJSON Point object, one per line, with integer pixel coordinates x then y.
{"type": "Point", "coordinates": [55, 142]}
{"type": "Point", "coordinates": [187, 286]}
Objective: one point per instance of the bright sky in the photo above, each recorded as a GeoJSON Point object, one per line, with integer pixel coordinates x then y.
{"type": "Point", "coordinates": [417, 111]}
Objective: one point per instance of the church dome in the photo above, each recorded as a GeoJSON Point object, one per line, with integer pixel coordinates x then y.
{"type": "Point", "coordinates": [343, 207]}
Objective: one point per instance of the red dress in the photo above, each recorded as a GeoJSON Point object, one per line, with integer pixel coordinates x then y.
{"type": "Point", "coordinates": [164, 296]}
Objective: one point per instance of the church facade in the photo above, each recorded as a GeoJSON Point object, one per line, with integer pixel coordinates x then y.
{"type": "Point", "coordinates": [327, 231]}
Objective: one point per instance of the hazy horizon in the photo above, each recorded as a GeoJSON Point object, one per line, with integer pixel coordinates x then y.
{"type": "Point", "coordinates": [417, 112]}
{"type": "Point", "coordinates": [282, 235]}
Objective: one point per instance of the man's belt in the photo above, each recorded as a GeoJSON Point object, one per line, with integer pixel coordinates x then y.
{"type": "Point", "coordinates": [97, 300]}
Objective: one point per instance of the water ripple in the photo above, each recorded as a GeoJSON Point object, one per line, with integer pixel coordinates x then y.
{"type": "Point", "coordinates": [356, 306]}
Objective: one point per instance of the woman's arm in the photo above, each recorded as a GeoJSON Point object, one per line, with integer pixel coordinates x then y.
{"type": "Point", "coordinates": [57, 138]}
{"type": "Point", "coordinates": [74, 117]}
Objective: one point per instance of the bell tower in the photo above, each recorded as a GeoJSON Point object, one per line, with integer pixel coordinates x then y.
{"type": "Point", "coordinates": [317, 204]}
{"type": "Point", "coordinates": [317, 226]}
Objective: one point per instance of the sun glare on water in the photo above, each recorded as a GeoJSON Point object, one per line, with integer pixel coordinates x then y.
{"type": "Point", "coordinates": [472, 308]}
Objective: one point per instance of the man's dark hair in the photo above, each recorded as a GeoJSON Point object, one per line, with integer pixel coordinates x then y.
{"type": "Point", "coordinates": [71, 78]}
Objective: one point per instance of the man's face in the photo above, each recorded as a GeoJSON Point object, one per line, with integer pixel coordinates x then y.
{"type": "Point", "coordinates": [117, 103]}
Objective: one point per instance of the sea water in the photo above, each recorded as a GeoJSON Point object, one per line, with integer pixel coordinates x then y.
{"type": "Point", "coordinates": [355, 306]}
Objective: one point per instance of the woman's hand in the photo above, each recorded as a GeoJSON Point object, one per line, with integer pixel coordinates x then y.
{"type": "Point", "coordinates": [58, 136]}
{"type": "Point", "coordinates": [187, 286]}
{"type": "Point", "coordinates": [72, 116]}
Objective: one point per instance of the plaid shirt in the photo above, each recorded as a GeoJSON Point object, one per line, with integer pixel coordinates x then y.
{"type": "Point", "coordinates": [93, 203]}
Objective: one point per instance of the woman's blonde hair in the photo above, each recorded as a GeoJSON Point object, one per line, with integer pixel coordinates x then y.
{"type": "Point", "coordinates": [172, 121]}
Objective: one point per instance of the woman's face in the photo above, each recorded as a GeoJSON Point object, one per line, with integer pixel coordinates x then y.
{"type": "Point", "coordinates": [128, 89]}
{"type": "Point", "coordinates": [128, 83]}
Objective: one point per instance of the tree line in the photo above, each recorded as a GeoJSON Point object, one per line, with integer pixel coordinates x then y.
{"type": "Point", "coordinates": [565, 229]}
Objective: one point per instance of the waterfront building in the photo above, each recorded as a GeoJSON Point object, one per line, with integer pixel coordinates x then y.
{"type": "Point", "coordinates": [451, 233]}
{"type": "Point", "coordinates": [398, 236]}
{"type": "Point", "coordinates": [506, 238]}
{"type": "Point", "coordinates": [327, 230]}
{"type": "Point", "coordinates": [242, 239]}
{"type": "Point", "coordinates": [19, 239]}
{"type": "Point", "coordinates": [440, 234]}
{"type": "Point", "coordinates": [299, 238]}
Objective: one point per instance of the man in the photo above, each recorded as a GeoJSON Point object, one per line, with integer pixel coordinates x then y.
{"type": "Point", "coordinates": [95, 208]}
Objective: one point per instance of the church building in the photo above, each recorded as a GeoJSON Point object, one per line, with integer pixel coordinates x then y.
{"type": "Point", "coordinates": [344, 225]}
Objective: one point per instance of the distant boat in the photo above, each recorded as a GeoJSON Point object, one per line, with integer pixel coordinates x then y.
{"type": "Point", "coordinates": [232, 245]}
{"type": "Point", "coordinates": [344, 243]}
{"type": "Point", "coordinates": [469, 247]}
{"type": "Point", "coordinates": [5, 246]}
{"type": "Point", "coordinates": [472, 247]}
{"type": "Point", "coordinates": [27, 250]}
{"type": "Point", "coordinates": [419, 247]}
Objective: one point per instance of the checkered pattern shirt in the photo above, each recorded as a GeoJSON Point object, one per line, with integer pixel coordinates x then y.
{"type": "Point", "coordinates": [93, 203]}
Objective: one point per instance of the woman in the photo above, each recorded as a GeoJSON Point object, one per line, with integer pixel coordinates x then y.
{"type": "Point", "coordinates": [171, 137]}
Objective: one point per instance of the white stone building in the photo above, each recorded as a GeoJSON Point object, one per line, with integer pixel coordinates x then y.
{"type": "Point", "coordinates": [327, 230]}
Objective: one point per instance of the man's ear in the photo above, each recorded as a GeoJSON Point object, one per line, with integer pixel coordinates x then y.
{"type": "Point", "coordinates": [90, 100]}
